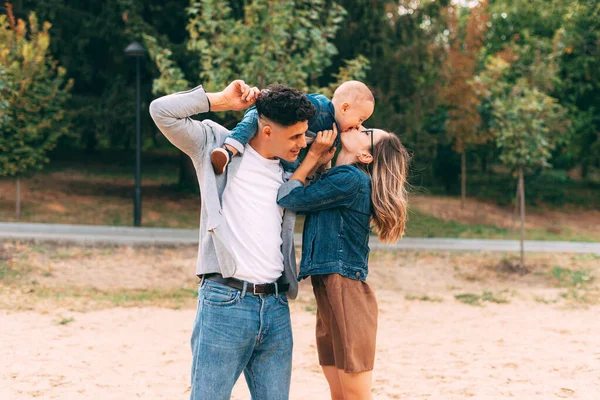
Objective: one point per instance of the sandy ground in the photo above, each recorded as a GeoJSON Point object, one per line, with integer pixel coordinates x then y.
{"type": "Point", "coordinates": [539, 345]}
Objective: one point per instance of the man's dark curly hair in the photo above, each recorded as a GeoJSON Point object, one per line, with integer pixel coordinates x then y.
{"type": "Point", "coordinates": [284, 105]}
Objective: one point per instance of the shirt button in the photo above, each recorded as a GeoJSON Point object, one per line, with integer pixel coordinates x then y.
{"type": "Point", "coordinates": [358, 274]}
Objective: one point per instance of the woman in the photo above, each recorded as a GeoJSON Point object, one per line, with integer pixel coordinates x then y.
{"type": "Point", "coordinates": [367, 183]}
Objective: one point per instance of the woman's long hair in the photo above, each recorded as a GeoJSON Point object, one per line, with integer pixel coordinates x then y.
{"type": "Point", "coordinates": [388, 188]}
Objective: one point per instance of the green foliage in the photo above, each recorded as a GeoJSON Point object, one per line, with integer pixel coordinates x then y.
{"type": "Point", "coordinates": [35, 88]}
{"type": "Point", "coordinates": [552, 45]}
{"type": "Point", "coordinates": [528, 126]}
{"type": "Point", "coordinates": [269, 41]}
{"type": "Point", "coordinates": [88, 40]}
{"type": "Point", "coordinates": [580, 79]}
{"type": "Point", "coordinates": [171, 77]}
{"type": "Point", "coordinates": [5, 89]}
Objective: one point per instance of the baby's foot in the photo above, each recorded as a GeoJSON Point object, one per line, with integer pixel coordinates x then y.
{"type": "Point", "coordinates": [219, 158]}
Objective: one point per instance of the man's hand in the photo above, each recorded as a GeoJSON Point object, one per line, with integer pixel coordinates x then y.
{"type": "Point", "coordinates": [236, 96]}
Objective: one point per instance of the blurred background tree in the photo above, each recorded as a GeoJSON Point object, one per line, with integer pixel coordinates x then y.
{"type": "Point", "coordinates": [460, 95]}
{"type": "Point", "coordinates": [421, 58]}
{"type": "Point", "coordinates": [34, 92]}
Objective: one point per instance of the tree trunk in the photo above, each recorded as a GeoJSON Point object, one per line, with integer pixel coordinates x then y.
{"type": "Point", "coordinates": [90, 141]}
{"type": "Point", "coordinates": [516, 209]}
{"type": "Point", "coordinates": [522, 202]}
{"type": "Point", "coordinates": [585, 170]}
{"type": "Point", "coordinates": [18, 202]}
{"type": "Point", "coordinates": [187, 172]}
{"type": "Point", "coordinates": [484, 163]}
{"type": "Point", "coordinates": [463, 179]}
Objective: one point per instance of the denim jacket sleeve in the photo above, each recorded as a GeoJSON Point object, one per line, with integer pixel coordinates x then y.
{"type": "Point", "coordinates": [246, 128]}
{"type": "Point", "coordinates": [336, 189]}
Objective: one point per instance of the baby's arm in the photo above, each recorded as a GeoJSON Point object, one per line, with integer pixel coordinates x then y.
{"type": "Point", "coordinates": [243, 131]}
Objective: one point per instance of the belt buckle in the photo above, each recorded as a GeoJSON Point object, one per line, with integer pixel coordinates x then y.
{"type": "Point", "coordinates": [261, 287]}
{"type": "Point", "coordinates": [254, 289]}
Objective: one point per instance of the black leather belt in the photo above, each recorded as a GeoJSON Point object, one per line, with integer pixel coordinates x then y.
{"type": "Point", "coordinates": [254, 288]}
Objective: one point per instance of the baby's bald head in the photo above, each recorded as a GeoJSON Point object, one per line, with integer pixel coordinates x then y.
{"type": "Point", "coordinates": [352, 92]}
{"type": "Point", "coordinates": [354, 103]}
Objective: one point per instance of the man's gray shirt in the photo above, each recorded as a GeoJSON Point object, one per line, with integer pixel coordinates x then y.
{"type": "Point", "coordinates": [197, 139]}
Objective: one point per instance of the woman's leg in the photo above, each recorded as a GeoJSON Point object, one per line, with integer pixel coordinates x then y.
{"type": "Point", "coordinates": [335, 386]}
{"type": "Point", "coordinates": [355, 386]}
{"type": "Point", "coordinates": [346, 335]}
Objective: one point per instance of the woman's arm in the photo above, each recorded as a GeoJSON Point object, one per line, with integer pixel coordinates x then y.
{"type": "Point", "coordinates": [336, 189]}
{"type": "Point", "coordinates": [321, 152]}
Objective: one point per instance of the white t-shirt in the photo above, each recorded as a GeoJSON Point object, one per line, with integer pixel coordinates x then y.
{"type": "Point", "coordinates": [254, 218]}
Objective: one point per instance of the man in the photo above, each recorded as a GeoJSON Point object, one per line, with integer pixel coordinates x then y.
{"type": "Point", "coordinates": [246, 258]}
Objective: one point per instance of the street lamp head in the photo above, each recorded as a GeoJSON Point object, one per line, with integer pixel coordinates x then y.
{"type": "Point", "coordinates": [135, 49]}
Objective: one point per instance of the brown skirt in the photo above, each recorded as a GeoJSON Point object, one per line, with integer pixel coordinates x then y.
{"type": "Point", "coordinates": [346, 322]}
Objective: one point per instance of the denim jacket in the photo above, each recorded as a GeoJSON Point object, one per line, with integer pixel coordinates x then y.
{"type": "Point", "coordinates": [323, 120]}
{"type": "Point", "coordinates": [337, 225]}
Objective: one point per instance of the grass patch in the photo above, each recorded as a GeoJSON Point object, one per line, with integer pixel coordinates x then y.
{"type": "Point", "coordinates": [65, 321]}
{"type": "Point", "coordinates": [11, 270]}
{"type": "Point", "coordinates": [311, 309]}
{"type": "Point", "coordinates": [420, 224]}
{"type": "Point", "coordinates": [146, 296]}
{"type": "Point", "coordinates": [425, 297]}
{"type": "Point", "coordinates": [544, 300]}
{"type": "Point", "coordinates": [565, 277]}
{"type": "Point", "coordinates": [74, 296]}
{"type": "Point", "coordinates": [577, 283]}
{"type": "Point", "coordinates": [486, 297]}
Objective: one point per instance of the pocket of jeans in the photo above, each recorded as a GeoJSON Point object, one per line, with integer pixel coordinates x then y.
{"type": "Point", "coordinates": [283, 300]}
{"type": "Point", "coordinates": [220, 298]}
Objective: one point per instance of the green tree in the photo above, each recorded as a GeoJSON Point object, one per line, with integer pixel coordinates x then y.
{"type": "Point", "coordinates": [565, 35]}
{"type": "Point", "coordinates": [36, 89]}
{"type": "Point", "coordinates": [88, 40]}
{"type": "Point", "coordinates": [289, 42]}
{"type": "Point", "coordinates": [460, 95]}
{"type": "Point", "coordinates": [528, 125]}
{"type": "Point", "coordinates": [579, 87]}
{"type": "Point", "coordinates": [263, 42]}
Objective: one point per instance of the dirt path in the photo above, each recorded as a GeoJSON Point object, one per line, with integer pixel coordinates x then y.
{"type": "Point", "coordinates": [533, 337]}
{"type": "Point", "coordinates": [425, 351]}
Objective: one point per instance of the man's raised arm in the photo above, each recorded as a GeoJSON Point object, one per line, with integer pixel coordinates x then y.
{"type": "Point", "coordinates": [172, 113]}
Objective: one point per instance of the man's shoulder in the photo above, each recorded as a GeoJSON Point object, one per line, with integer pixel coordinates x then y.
{"type": "Point", "coordinates": [214, 125]}
{"type": "Point", "coordinates": [219, 131]}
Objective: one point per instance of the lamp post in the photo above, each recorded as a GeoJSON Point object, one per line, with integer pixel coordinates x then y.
{"type": "Point", "coordinates": [136, 50]}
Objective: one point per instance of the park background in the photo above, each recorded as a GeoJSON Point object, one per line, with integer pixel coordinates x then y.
{"type": "Point", "coordinates": [484, 94]}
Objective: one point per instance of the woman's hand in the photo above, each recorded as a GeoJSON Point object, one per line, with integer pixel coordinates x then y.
{"type": "Point", "coordinates": [321, 152]}
{"type": "Point", "coordinates": [322, 148]}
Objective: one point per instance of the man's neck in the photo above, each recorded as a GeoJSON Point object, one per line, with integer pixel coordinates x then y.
{"type": "Point", "coordinates": [261, 148]}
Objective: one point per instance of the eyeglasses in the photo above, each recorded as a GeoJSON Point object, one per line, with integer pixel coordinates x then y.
{"type": "Point", "coordinates": [370, 131]}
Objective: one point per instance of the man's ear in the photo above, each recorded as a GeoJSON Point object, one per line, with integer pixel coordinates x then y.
{"type": "Point", "coordinates": [267, 130]}
{"type": "Point", "coordinates": [365, 158]}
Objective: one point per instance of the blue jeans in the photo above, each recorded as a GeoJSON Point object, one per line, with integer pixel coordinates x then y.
{"type": "Point", "coordinates": [237, 331]}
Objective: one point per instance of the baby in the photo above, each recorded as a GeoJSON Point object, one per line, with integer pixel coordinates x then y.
{"type": "Point", "coordinates": [351, 105]}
